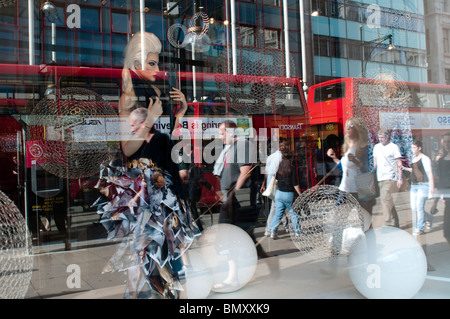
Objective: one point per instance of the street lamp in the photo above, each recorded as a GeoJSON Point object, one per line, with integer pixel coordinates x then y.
{"type": "Point", "coordinates": [378, 43]}
{"type": "Point", "coordinates": [49, 8]}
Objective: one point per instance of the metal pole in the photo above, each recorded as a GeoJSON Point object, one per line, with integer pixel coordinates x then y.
{"type": "Point", "coordinates": [53, 42]}
{"type": "Point", "coordinates": [233, 35]}
{"type": "Point", "coordinates": [363, 72]}
{"type": "Point", "coordinates": [286, 38]}
{"type": "Point", "coordinates": [142, 25]}
{"type": "Point", "coordinates": [31, 32]}
{"type": "Point", "coordinates": [303, 45]}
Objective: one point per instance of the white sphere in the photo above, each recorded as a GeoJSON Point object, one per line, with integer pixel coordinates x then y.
{"type": "Point", "coordinates": [198, 276]}
{"type": "Point", "coordinates": [230, 253]}
{"type": "Point", "coordinates": [388, 263]}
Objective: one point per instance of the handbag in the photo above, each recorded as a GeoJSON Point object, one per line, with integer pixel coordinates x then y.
{"type": "Point", "coordinates": [271, 188]}
{"type": "Point", "coordinates": [366, 185]}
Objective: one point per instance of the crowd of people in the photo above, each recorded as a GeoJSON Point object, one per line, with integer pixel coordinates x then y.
{"type": "Point", "coordinates": [427, 179]}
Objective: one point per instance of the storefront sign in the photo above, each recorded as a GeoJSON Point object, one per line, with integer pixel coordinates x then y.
{"type": "Point", "coordinates": [43, 152]}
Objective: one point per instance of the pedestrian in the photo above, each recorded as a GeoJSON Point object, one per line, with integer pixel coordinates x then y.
{"type": "Point", "coordinates": [443, 174]}
{"type": "Point", "coordinates": [272, 163]}
{"type": "Point", "coordinates": [233, 168]}
{"type": "Point", "coordinates": [433, 209]}
{"type": "Point", "coordinates": [355, 160]}
{"type": "Point", "coordinates": [388, 165]}
{"type": "Point", "coordinates": [422, 187]}
{"type": "Point", "coordinates": [288, 184]}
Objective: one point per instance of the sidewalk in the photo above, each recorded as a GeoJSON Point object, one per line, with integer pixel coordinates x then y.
{"type": "Point", "coordinates": [287, 274]}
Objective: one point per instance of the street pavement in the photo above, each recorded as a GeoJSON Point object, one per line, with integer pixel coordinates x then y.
{"type": "Point", "coordinates": [286, 274]}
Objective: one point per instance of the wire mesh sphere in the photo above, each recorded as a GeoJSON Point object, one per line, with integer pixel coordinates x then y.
{"type": "Point", "coordinates": [386, 96]}
{"type": "Point", "coordinates": [331, 222]}
{"type": "Point", "coordinates": [71, 129]}
{"type": "Point", "coordinates": [248, 93]}
{"type": "Point", "coordinates": [16, 261]}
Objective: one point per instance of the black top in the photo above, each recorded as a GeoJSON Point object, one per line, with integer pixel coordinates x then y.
{"type": "Point", "coordinates": [237, 156]}
{"type": "Point", "coordinates": [159, 150]}
{"type": "Point", "coordinates": [443, 173]}
{"type": "Point", "coordinates": [418, 174]}
{"type": "Point", "coordinates": [143, 89]}
{"type": "Point", "coordinates": [287, 183]}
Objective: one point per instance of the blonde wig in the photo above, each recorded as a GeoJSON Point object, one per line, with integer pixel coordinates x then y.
{"type": "Point", "coordinates": [137, 48]}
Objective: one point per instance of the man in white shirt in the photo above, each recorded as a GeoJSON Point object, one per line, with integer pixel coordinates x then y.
{"type": "Point", "coordinates": [388, 164]}
{"type": "Point", "coordinates": [272, 163]}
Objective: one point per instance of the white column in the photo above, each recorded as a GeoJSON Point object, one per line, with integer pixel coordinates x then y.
{"type": "Point", "coordinates": [53, 41]}
{"type": "Point", "coordinates": [142, 25]}
{"type": "Point", "coordinates": [286, 39]}
{"type": "Point", "coordinates": [31, 32]}
{"type": "Point", "coordinates": [303, 45]}
{"type": "Point", "coordinates": [233, 35]}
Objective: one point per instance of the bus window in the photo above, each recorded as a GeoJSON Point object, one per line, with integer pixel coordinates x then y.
{"type": "Point", "coordinates": [446, 100]}
{"type": "Point", "coordinates": [428, 99]}
{"type": "Point", "coordinates": [329, 92]}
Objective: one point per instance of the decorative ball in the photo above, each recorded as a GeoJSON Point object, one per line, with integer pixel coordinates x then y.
{"type": "Point", "coordinates": [388, 263]}
{"type": "Point", "coordinates": [16, 260]}
{"type": "Point", "coordinates": [248, 86]}
{"type": "Point", "coordinates": [57, 122]}
{"type": "Point", "coordinates": [331, 222]}
{"type": "Point", "coordinates": [231, 256]}
{"type": "Point", "coordinates": [198, 276]}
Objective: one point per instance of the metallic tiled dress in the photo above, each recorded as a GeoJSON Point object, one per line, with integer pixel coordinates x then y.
{"type": "Point", "coordinates": [138, 204]}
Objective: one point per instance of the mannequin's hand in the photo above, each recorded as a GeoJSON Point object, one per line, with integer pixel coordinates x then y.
{"type": "Point", "coordinates": [154, 108]}
{"type": "Point", "coordinates": [178, 96]}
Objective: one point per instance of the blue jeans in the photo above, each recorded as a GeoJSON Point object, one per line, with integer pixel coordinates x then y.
{"type": "Point", "coordinates": [418, 195]}
{"type": "Point", "coordinates": [283, 201]}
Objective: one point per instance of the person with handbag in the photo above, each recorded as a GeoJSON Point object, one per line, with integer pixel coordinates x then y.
{"type": "Point", "coordinates": [388, 165]}
{"type": "Point", "coordinates": [272, 163]}
{"type": "Point", "coordinates": [355, 159]}
{"type": "Point", "coordinates": [284, 196]}
{"type": "Point", "coordinates": [422, 187]}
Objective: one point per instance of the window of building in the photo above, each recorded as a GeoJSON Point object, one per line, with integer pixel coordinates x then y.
{"type": "Point", "coordinates": [446, 40]}
{"type": "Point", "coordinates": [354, 50]}
{"type": "Point", "coordinates": [247, 36]}
{"type": "Point", "coordinates": [354, 12]}
{"type": "Point", "coordinates": [120, 22]}
{"type": "Point", "coordinates": [272, 39]}
{"type": "Point", "coordinates": [445, 5]}
{"type": "Point", "coordinates": [447, 76]}
{"type": "Point", "coordinates": [8, 15]}
{"type": "Point", "coordinates": [90, 19]}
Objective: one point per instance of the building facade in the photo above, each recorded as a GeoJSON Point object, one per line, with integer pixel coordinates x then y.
{"type": "Point", "coordinates": [347, 38]}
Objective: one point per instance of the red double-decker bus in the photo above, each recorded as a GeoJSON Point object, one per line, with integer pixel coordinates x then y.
{"type": "Point", "coordinates": [410, 110]}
